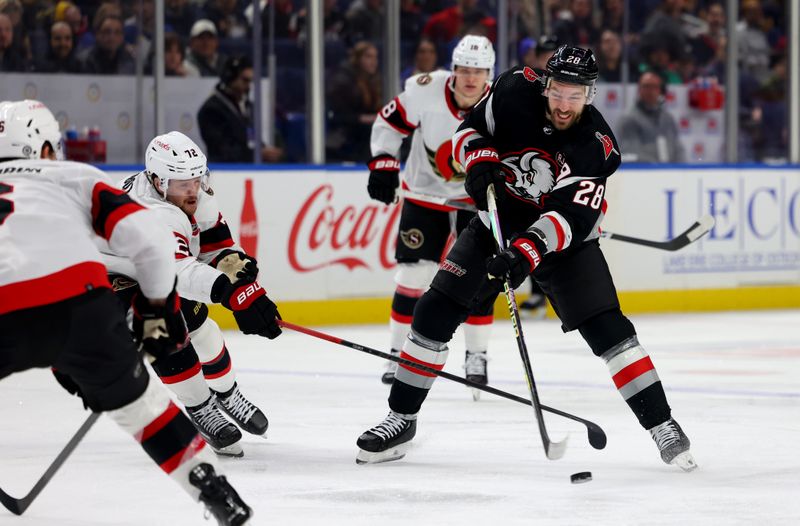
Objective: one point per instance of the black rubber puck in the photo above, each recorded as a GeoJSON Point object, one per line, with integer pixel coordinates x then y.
{"type": "Point", "coordinates": [580, 478]}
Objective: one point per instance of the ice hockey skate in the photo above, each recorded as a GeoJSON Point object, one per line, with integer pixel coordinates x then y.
{"type": "Point", "coordinates": [387, 441]}
{"type": "Point", "coordinates": [391, 368]}
{"type": "Point", "coordinates": [218, 496]}
{"type": "Point", "coordinates": [221, 435]}
{"type": "Point", "coordinates": [535, 307]}
{"type": "Point", "coordinates": [243, 412]}
{"type": "Point", "coordinates": [673, 444]}
{"type": "Point", "coordinates": [475, 367]}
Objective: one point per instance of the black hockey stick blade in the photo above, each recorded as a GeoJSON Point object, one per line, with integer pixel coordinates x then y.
{"type": "Point", "coordinates": [18, 506]}
{"type": "Point", "coordinates": [597, 437]}
{"type": "Point", "coordinates": [700, 228]}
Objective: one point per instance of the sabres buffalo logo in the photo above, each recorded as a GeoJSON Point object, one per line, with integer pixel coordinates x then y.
{"type": "Point", "coordinates": [535, 173]}
{"type": "Point", "coordinates": [443, 164]}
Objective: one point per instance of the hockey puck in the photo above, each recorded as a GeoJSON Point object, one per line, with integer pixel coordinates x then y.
{"type": "Point", "coordinates": [580, 478]}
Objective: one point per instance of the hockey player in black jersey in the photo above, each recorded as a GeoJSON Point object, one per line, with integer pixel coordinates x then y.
{"type": "Point", "coordinates": [549, 153]}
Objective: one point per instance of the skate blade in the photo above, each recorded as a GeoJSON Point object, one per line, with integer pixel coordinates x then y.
{"type": "Point", "coordinates": [476, 394]}
{"type": "Point", "coordinates": [234, 451]}
{"type": "Point", "coordinates": [395, 453]}
{"type": "Point", "coordinates": [685, 461]}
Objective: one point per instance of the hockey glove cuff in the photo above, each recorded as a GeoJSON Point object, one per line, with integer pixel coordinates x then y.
{"type": "Point", "coordinates": [384, 178]}
{"type": "Point", "coordinates": [237, 265]}
{"type": "Point", "coordinates": [160, 329]}
{"type": "Point", "coordinates": [518, 261]}
{"type": "Point", "coordinates": [254, 312]}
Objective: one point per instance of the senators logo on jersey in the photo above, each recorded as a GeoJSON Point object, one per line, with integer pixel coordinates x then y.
{"type": "Point", "coordinates": [443, 164]}
{"type": "Point", "coordinates": [534, 174]}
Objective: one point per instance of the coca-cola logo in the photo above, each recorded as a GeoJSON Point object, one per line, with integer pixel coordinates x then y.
{"type": "Point", "coordinates": [323, 235]}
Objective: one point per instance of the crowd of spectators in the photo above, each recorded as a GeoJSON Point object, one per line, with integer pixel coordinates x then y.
{"type": "Point", "coordinates": [679, 40]}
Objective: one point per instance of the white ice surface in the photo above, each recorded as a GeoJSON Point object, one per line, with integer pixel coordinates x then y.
{"type": "Point", "coordinates": [733, 381]}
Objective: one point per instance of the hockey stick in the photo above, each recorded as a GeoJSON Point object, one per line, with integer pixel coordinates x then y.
{"type": "Point", "coordinates": [436, 200]}
{"type": "Point", "coordinates": [553, 450]}
{"type": "Point", "coordinates": [18, 506]}
{"type": "Point", "coordinates": [700, 228]}
{"type": "Point", "coordinates": [597, 437]}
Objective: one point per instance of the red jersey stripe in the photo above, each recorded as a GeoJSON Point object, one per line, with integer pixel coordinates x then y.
{"type": "Point", "coordinates": [52, 288]}
{"type": "Point", "coordinates": [559, 231]}
{"type": "Point", "coordinates": [118, 215]}
{"type": "Point", "coordinates": [210, 247]}
{"type": "Point", "coordinates": [175, 378]}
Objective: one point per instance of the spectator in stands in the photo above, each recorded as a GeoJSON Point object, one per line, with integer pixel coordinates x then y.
{"type": "Point", "coordinates": [648, 133]}
{"type": "Point", "coordinates": [426, 59]}
{"type": "Point", "coordinates": [203, 59]}
{"type": "Point", "coordinates": [60, 56]}
{"type": "Point", "coordinates": [144, 19]}
{"type": "Point", "coordinates": [708, 49]}
{"type": "Point", "coordinates": [354, 98]}
{"type": "Point", "coordinates": [108, 56]}
{"type": "Point", "coordinates": [411, 21]}
{"type": "Point", "coordinates": [448, 24]}
{"type": "Point", "coordinates": [21, 42]}
{"type": "Point", "coordinates": [179, 15]}
{"type": "Point", "coordinates": [526, 52]}
{"type": "Point", "coordinates": [71, 14]}
{"type": "Point", "coordinates": [11, 58]}
{"type": "Point", "coordinates": [754, 49]}
{"type": "Point", "coordinates": [772, 135]}
{"type": "Point", "coordinates": [226, 118]}
{"type": "Point", "coordinates": [173, 58]}
{"type": "Point", "coordinates": [664, 31]}
{"type": "Point", "coordinates": [285, 19]}
{"type": "Point", "coordinates": [364, 21]}
{"type": "Point", "coordinates": [609, 58]}
{"type": "Point", "coordinates": [227, 17]}
{"type": "Point", "coordinates": [576, 26]}
{"type": "Point", "coordinates": [545, 48]}
{"type": "Point", "coordinates": [333, 21]}
{"type": "Point", "coordinates": [656, 55]}
{"type": "Point", "coordinates": [613, 16]}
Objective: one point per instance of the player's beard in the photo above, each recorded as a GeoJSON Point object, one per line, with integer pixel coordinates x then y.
{"type": "Point", "coordinates": [563, 125]}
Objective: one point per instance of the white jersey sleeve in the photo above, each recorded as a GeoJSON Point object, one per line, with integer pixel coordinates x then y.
{"type": "Point", "coordinates": [395, 121]}
{"type": "Point", "coordinates": [50, 214]}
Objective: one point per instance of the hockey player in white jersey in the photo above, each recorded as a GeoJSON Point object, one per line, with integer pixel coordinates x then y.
{"type": "Point", "coordinates": [57, 309]}
{"type": "Point", "coordinates": [430, 109]}
{"type": "Point", "coordinates": [211, 268]}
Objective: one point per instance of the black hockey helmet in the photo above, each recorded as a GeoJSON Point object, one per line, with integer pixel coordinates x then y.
{"type": "Point", "coordinates": [547, 44]}
{"type": "Point", "coordinates": [573, 65]}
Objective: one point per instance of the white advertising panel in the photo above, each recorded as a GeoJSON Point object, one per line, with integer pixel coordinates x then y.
{"type": "Point", "coordinates": [318, 235]}
{"type": "Point", "coordinates": [756, 240]}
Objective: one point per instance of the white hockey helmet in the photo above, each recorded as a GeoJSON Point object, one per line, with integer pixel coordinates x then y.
{"type": "Point", "coordinates": [174, 156]}
{"type": "Point", "coordinates": [25, 127]}
{"type": "Point", "coordinates": [474, 51]}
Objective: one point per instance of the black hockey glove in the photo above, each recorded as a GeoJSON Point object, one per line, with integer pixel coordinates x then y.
{"type": "Point", "coordinates": [483, 168]}
{"type": "Point", "coordinates": [160, 329]}
{"type": "Point", "coordinates": [384, 178]}
{"type": "Point", "coordinates": [236, 265]}
{"type": "Point", "coordinates": [255, 313]}
{"type": "Point", "coordinates": [518, 260]}
{"type": "Point", "coordinates": [66, 381]}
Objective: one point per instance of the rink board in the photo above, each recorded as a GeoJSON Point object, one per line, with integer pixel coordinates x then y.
{"type": "Point", "coordinates": [326, 250]}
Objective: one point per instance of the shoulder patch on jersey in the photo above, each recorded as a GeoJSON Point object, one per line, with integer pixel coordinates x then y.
{"type": "Point", "coordinates": [424, 79]}
{"type": "Point", "coordinates": [608, 144]}
{"type": "Point", "coordinates": [530, 74]}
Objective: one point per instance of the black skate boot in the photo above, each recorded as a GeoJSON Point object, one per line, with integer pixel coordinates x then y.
{"type": "Point", "coordinates": [391, 368]}
{"type": "Point", "coordinates": [387, 441]}
{"type": "Point", "coordinates": [220, 434]}
{"type": "Point", "coordinates": [535, 307]}
{"type": "Point", "coordinates": [242, 411]}
{"type": "Point", "coordinates": [219, 497]}
{"type": "Point", "coordinates": [673, 444]}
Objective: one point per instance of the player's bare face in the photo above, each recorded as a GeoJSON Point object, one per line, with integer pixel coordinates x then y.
{"type": "Point", "coordinates": [469, 85]}
{"type": "Point", "coordinates": [565, 103]}
{"type": "Point", "coordinates": [183, 194]}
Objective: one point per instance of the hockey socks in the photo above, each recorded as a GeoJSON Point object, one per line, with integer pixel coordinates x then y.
{"type": "Point", "coordinates": [166, 435]}
{"type": "Point", "coordinates": [637, 381]}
